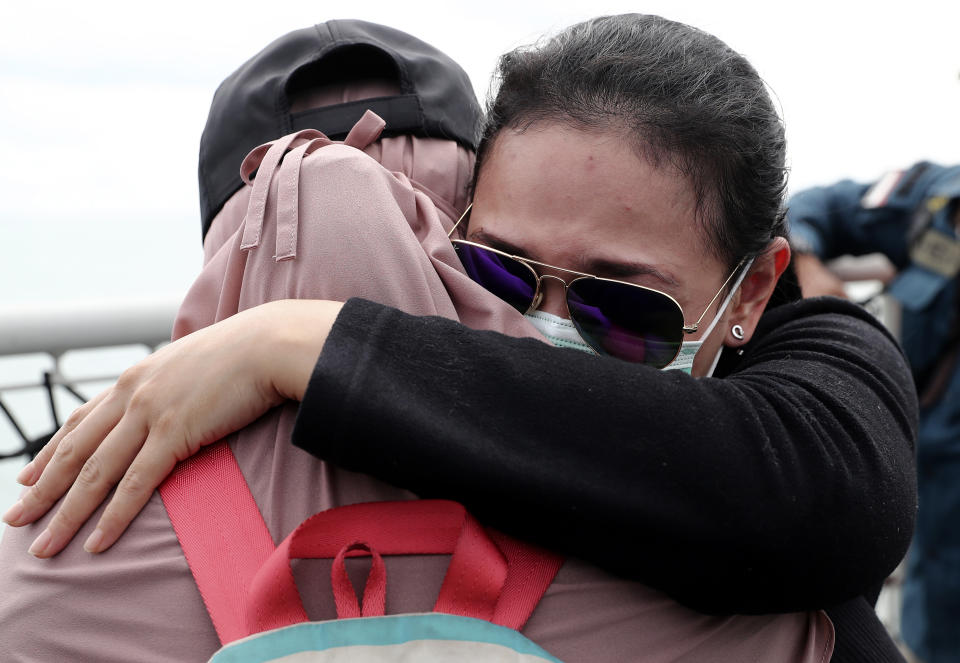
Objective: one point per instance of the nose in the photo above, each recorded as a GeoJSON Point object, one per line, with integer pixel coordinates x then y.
{"type": "Point", "coordinates": [553, 289]}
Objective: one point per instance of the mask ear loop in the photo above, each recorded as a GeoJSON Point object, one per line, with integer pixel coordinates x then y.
{"type": "Point", "coordinates": [723, 307]}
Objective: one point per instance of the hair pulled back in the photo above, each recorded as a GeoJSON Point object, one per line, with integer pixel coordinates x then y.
{"type": "Point", "coordinates": [681, 95]}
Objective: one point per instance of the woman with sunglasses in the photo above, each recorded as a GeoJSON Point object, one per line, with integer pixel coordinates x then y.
{"type": "Point", "coordinates": [630, 204]}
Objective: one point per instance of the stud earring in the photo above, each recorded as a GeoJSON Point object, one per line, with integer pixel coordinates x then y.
{"type": "Point", "coordinates": [737, 332]}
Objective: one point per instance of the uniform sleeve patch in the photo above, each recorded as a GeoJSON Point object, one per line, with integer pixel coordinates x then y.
{"type": "Point", "coordinates": [878, 195]}
{"type": "Point", "coordinates": [938, 252]}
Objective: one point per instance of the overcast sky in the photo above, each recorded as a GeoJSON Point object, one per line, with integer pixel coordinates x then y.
{"type": "Point", "coordinates": [102, 105]}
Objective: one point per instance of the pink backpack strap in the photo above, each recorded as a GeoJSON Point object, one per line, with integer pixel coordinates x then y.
{"type": "Point", "coordinates": [247, 584]}
{"type": "Point", "coordinates": [223, 535]}
{"type": "Point", "coordinates": [471, 587]}
{"type": "Point", "coordinates": [374, 592]}
{"type": "Point", "coordinates": [530, 570]}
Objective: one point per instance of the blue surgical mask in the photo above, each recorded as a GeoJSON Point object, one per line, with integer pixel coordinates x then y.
{"type": "Point", "coordinates": [559, 331]}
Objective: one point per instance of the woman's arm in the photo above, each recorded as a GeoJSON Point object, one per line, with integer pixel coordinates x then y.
{"type": "Point", "coordinates": [788, 485]}
{"type": "Point", "coordinates": [189, 393]}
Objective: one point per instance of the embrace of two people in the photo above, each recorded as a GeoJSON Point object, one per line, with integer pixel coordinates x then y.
{"type": "Point", "coordinates": [727, 469]}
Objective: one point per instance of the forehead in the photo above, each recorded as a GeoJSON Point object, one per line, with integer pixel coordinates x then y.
{"type": "Point", "coordinates": [566, 195]}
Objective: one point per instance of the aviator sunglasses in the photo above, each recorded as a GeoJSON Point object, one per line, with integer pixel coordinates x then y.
{"type": "Point", "coordinates": [616, 318]}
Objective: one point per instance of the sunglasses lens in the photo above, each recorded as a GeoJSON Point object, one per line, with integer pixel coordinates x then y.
{"type": "Point", "coordinates": [627, 322]}
{"type": "Point", "coordinates": [508, 279]}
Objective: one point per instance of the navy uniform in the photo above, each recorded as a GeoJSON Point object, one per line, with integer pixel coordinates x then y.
{"type": "Point", "coordinates": [911, 216]}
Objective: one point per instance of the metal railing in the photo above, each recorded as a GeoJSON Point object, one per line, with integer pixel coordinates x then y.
{"type": "Point", "coordinates": [55, 329]}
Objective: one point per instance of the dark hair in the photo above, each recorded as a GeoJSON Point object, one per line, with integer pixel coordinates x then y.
{"type": "Point", "coordinates": [684, 96]}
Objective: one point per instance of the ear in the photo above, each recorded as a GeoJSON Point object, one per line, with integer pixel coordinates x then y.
{"type": "Point", "coordinates": [755, 291]}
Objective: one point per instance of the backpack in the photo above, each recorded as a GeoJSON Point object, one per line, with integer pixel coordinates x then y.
{"type": "Point", "coordinates": [491, 587]}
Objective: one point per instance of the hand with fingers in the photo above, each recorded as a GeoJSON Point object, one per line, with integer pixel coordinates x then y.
{"type": "Point", "coordinates": [162, 410]}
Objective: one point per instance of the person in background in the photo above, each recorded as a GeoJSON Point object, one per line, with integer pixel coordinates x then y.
{"type": "Point", "coordinates": [913, 218]}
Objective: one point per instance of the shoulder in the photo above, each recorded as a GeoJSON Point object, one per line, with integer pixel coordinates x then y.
{"type": "Point", "coordinates": [827, 338]}
{"type": "Point", "coordinates": [903, 189]}
{"type": "Point", "coordinates": [906, 189]}
{"type": "Point", "coordinates": [909, 187]}
{"type": "Point", "coordinates": [353, 182]}
{"type": "Point", "coordinates": [344, 162]}
{"type": "Point", "coordinates": [818, 201]}
{"type": "Point", "coordinates": [822, 313]}
{"type": "Point", "coordinates": [833, 365]}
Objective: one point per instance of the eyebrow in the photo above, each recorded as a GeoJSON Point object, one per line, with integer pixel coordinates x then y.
{"type": "Point", "coordinates": [596, 266]}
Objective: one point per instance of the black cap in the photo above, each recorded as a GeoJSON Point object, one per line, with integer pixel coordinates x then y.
{"type": "Point", "coordinates": [252, 105]}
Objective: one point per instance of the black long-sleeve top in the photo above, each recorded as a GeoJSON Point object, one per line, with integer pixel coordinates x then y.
{"type": "Point", "coordinates": [787, 485]}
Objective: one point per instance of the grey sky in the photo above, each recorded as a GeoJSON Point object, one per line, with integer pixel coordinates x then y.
{"type": "Point", "coordinates": [102, 104]}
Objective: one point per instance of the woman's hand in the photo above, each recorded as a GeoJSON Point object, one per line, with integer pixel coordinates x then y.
{"type": "Point", "coordinates": [189, 393]}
